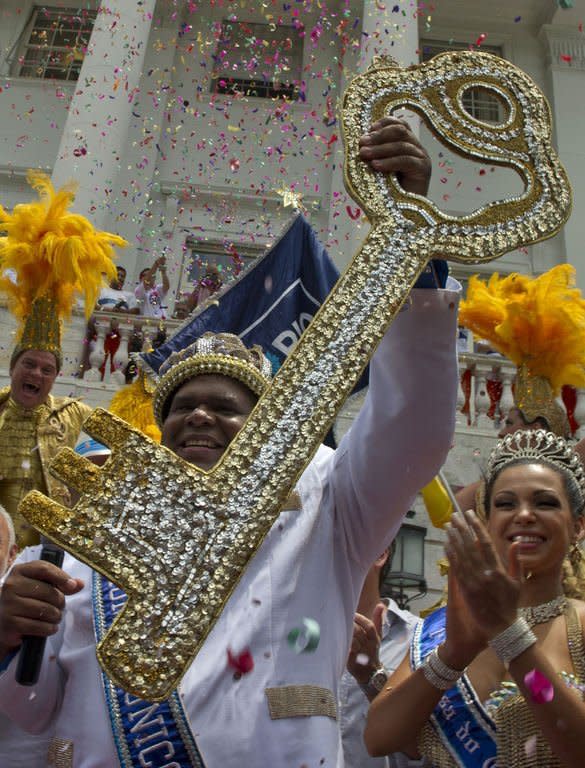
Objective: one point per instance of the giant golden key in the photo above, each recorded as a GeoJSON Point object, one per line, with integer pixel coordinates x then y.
{"type": "Point", "coordinates": [176, 538]}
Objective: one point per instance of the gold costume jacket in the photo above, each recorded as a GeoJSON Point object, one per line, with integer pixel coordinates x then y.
{"type": "Point", "coordinates": [29, 439]}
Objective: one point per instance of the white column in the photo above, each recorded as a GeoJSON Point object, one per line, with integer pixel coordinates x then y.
{"type": "Point", "coordinates": [507, 398]}
{"type": "Point", "coordinates": [579, 414]}
{"type": "Point", "coordinates": [565, 53]}
{"type": "Point", "coordinates": [384, 33]}
{"type": "Point", "coordinates": [95, 134]}
{"type": "Point", "coordinates": [482, 399]}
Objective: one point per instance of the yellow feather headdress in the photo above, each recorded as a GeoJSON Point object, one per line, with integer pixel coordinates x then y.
{"type": "Point", "coordinates": [133, 403]}
{"type": "Point", "coordinates": [54, 255]}
{"type": "Point", "coordinates": [539, 323]}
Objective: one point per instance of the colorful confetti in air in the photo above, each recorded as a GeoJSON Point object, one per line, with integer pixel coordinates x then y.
{"type": "Point", "coordinates": [305, 638]}
{"type": "Point", "coordinates": [540, 687]}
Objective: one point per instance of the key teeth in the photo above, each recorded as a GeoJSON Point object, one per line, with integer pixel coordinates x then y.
{"type": "Point", "coordinates": [37, 509]}
{"type": "Point", "coordinates": [107, 428]}
{"type": "Point", "coordinates": [74, 470]}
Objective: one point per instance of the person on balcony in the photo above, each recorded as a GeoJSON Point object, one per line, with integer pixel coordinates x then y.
{"type": "Point", "coordinates": [115, 299]}
{"type": "Point", "coordinates": [55, 255]}
{"type": "Point", "coordinates": [209, 284]}
{"type": "Point", "coordinates": [151, 295]}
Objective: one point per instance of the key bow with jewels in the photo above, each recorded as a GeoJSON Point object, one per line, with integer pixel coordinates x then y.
{"type": "Point", "coordinates": [177, 538]}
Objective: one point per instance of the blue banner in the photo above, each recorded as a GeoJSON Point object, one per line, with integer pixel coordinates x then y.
{"type": "Point", "coordinates": [463, 725]}
{"type": "Point", "coordinates": [270, 304]}
{"type": "Point", "coordinates": [154, 734]}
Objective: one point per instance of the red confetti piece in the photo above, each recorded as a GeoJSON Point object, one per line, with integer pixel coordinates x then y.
{"type": "Point", "coordinates": [481, 38]}
{"type": "Point", "coordinates": [539, 686]}
{"type": "Point", "coordinates": [242, 663]}
{"type": "Point", "coordinates": [353, 213]}
{"type": "Point", "coordinates": [566, 57]}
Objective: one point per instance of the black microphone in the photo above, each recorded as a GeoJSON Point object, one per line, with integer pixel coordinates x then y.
{"type": "Point", "coordinates": [30, 657]}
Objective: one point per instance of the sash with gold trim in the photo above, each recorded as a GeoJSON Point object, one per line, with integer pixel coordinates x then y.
{"type": "Point", "coordinates": [156, 734]}
{"type": "Point", "coordinates": [464, 727]}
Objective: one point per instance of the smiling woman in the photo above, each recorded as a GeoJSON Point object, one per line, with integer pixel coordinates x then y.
{"type": "Point", "coordinates": [513, 623]}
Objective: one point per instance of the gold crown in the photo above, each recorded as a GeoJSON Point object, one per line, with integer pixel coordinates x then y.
{"type": "Point", "coordinates": [41, 330]}
{"type": "Point", "coordinates": [533, 395]}
{"type": "Point", "coordinates": [539, 446]}
{"type": "Point", "coordinates": [219, 353]}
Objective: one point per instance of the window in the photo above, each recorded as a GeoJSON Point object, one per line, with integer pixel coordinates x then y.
{"type": "Point", "coordinates": [480, 103]}
{"type": "Point", "coordinates": [259, 60]}
{"type": "Point", "coordinates": [53, 43]}
{"type": "Point", "coordinates": [213, 262]}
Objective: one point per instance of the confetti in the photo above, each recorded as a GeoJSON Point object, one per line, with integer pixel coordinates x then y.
{"type": "Point", "coordinates": [305, 639]}
{"type": "Point", "coordinates": [241, 663]}
{"type": "Point", "coordinates": [539, 686]}
{"type": "Point", "coordinates": [530, 747]}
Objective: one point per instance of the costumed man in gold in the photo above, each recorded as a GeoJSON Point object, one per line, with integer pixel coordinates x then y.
{"type": "Point", "coordinates": [47, 257]}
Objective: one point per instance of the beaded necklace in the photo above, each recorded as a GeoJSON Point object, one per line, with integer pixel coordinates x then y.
{"type": "Point", "coordinates": [539, 614]}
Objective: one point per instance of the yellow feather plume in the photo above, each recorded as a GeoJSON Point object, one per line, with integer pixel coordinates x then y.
{"type": "Point", "coordinates": [133, 403]}
{"type": "Point", "coordinates": [53, 252]}
{"type": "Point", "coordinates": [538, 322]}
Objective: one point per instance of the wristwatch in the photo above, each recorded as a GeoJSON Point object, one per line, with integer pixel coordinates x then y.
{"type": "Point", "coordinates": [376, 682]}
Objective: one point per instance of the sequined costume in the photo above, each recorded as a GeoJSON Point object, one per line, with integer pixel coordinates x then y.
{"type": "Point", "coordinates": [28, 441]}
{"type": "Point", "coordinates": [506, 717]}
{"type": "Point", "coordinates": [347, 507]}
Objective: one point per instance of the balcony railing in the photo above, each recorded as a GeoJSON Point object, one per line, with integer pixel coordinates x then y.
{"type": "Point", "coordinates": [485, 387]}
{"type": "Point", "coordinates": [486, 394]}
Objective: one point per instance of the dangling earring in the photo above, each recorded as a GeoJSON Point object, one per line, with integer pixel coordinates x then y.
{"type": "Point", "coordinates": [576, 555]}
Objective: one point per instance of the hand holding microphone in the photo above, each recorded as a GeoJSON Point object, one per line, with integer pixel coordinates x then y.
{"type": "Point", "coordinates": [31, 608]}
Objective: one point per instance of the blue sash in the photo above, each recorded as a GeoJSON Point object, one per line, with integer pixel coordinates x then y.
{"type": "Point", "coordinates": [156, 734]}
{"type": "Point", "coordinates": [464, 727]}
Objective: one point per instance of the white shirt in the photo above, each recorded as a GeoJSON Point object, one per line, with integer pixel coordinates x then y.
{"type": "Point", "coordinates": [312, 564]}
{"type": "Point", "coordinates": [110, 297]}
{"type": "Point", "coordinates": [151, 300]}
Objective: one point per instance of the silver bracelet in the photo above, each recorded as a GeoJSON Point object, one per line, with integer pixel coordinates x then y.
{"type": "Point", "coordinates": [438, 674]}
{"type": "Point", "coordinates": [513, 641]}
{"type": "Point", "coordinates": [439, 666]}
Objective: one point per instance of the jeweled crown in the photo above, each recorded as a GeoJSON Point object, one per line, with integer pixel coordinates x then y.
{"type": "Point", "coordinates": [220, 353]}
{"type": "Point", "coordinates": [540, 446]}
